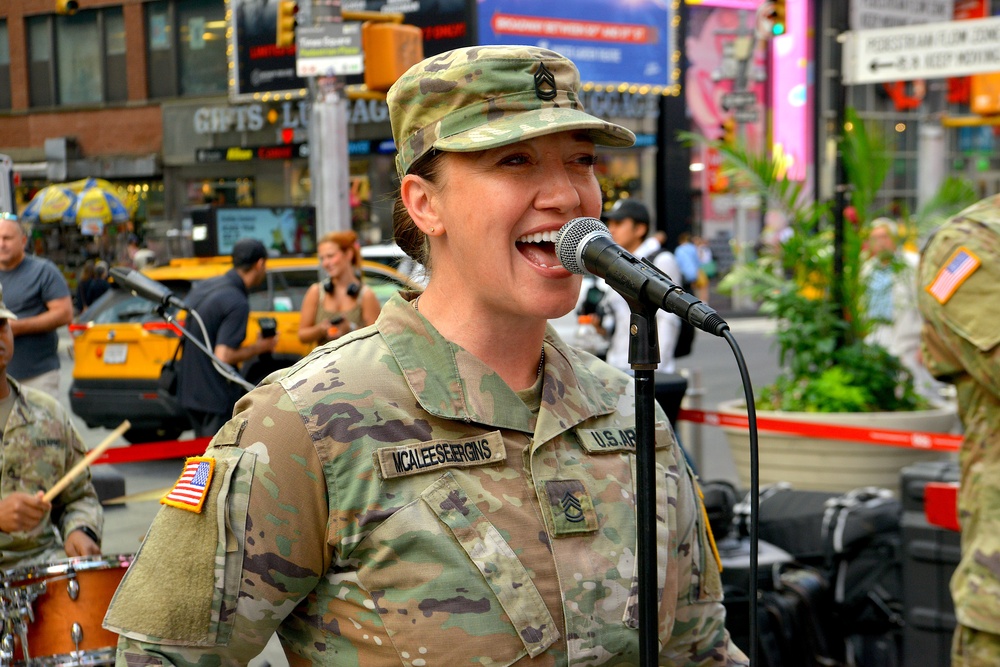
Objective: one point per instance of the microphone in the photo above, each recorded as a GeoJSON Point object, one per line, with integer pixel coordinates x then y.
{"type": "Point", "coordinates": [147, 288]}
{"type": "Point", "coordinates": [584, 245]}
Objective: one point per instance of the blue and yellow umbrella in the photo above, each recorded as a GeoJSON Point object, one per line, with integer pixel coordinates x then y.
{"type": "Point", "coordinates": [95, 207]}
{"type": "Point", "coordinates": [49, 204]}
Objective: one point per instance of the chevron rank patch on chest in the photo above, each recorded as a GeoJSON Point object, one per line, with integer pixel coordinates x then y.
{"type": "Point", "coordinates": [571, 507]}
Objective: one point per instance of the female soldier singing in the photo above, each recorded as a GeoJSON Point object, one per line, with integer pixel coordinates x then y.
{"type": "Point", "coordinates": [454, 485]}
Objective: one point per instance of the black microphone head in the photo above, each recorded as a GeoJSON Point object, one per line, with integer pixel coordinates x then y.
{"type": "Point", "coordinates": [141, 285]}
{"type": "Point", "coordinates": [573, 237]}
{"type": "Point", "coordinates": [119, 273]}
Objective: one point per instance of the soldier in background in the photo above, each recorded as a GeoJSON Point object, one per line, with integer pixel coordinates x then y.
{"type": "Point", "coordinates": [452, 485]}
{"type": "Point", "coordinates": [40, 445]}
{"type": "Point", "coordinates": [960, 287]}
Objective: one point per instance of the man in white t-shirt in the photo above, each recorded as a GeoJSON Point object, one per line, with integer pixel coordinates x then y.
{"type": "Point", "coordinates": [629, 223]}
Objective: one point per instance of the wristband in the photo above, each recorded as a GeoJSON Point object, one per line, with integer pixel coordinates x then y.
{"type": "Point", "coordinates": [86, 530]}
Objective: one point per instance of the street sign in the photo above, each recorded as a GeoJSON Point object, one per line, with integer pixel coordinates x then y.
{"type": "Point", "coordinates": [332, 49]}
{"type": "Point", "coordinates": [740, 99]}
{"type": "Point", "coordinates": [874, 14]}
{"type": "Point", "coordinates": [929, 51]}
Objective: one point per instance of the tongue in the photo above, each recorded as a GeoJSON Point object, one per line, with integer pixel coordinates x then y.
{"type": "Point", "coordinates": [542, 254]}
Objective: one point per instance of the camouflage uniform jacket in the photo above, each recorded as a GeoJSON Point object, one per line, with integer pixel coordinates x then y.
{"type": "Point", "coordinates": [960, 289]}
{"type": "Point", "coordinates": [390, 501]}
{"type": "Point", "coordinates": [40, 445]}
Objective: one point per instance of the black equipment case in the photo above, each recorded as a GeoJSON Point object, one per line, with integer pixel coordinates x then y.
{"type": "Point", "coordinates": [930, 556]}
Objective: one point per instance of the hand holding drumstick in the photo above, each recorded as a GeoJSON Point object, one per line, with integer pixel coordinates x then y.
{"type": "Point", "coordinates": [21, 512]}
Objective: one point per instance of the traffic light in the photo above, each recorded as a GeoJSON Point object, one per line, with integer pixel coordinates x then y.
{"type": "Point", "coordinates": [67, 7]}
{"type": "Point", "coordinates": [390, 49]}
{"type": "Point", "coordinates": [284, 34]}
{"type": "Point", "coordinates": [728, 126]}
{"type": "Point", "coordinates": [777, 18]}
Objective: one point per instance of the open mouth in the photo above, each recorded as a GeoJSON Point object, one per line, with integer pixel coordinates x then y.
{"type": "Point", "coordinates": [539, 248]}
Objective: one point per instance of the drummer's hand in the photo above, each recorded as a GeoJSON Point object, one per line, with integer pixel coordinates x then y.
{"type": "Point", "coordinates": [78, 543]}
{"type": "Point", "coordinates": [21, 511]}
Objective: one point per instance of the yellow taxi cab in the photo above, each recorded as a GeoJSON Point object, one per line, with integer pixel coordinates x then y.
{"type": "Point", "coordinates": [121, 342]}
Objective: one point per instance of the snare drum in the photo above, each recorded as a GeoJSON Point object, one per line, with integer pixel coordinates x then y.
{"type": "Point", "coordinates": [52, 613]}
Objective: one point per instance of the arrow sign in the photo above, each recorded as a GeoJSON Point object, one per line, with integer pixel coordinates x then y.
{"type": "Point", "coordinates": [928, 51]}
{"type": "Point", "coordinates": [876, 65]}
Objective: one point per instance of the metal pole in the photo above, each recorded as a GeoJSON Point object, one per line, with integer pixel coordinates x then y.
{"type": "Point", "coordinates": [329, 161]}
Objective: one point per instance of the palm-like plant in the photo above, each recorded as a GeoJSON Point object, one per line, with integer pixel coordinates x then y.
{"type": "Point", "coordinates": [827, 366]}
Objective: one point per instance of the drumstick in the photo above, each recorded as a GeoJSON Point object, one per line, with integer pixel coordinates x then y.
{"type": "Point", "coordinates": [87, 460]}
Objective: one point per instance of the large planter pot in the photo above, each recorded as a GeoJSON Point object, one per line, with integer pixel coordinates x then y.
{"type": "Point", "coordinates": [834, 465]}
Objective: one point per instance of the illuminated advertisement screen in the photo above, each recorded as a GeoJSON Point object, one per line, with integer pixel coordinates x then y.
{"type": "Point", "coordinates": [611, 42]}
{"type": "Point", "coordinates": [286, 230]}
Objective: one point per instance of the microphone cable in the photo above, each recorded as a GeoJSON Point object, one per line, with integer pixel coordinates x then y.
{"type": "Point", "coordinates": [754, 487]}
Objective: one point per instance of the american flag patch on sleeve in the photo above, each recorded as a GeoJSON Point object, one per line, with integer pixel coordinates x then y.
{"type": "Point", "coordinates": [959, 267]}
{"type": "Point", "coordinates": [190, 490]}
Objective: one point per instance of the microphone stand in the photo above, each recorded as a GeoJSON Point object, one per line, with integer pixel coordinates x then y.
{"type": "Point", "coordinates": [224, 369]}
{"type": "Point", "coordinates": [644, 357]}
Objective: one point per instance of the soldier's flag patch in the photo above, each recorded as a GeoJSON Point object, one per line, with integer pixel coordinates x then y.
{"type": "Point", "coordinates": [962, 264]}
{"type": "Point", "coordinates": [191, 488]}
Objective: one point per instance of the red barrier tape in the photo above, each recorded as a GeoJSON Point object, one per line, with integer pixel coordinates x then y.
{"type": "Point", "coordinates": [943, 442]}
{"type": "Point", "coordinates": [154, 451]}
{"type": "Point", "coordinates": [916, 439]}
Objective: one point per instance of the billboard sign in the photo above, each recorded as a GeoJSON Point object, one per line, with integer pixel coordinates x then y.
{"type": "Point", "coordinates": [258, 68]}
{"type": "Point", "coordinates": [630, 42]}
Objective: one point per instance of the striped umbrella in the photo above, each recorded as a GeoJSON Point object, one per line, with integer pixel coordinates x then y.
{"type": "Point", "coordinates": [95, 207]}
{"type": "Point", "coordinates": [89, 182]}
{"type": "Point", "coordinates": [49, 204]}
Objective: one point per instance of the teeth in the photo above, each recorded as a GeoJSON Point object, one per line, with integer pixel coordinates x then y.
{"type": "Point", "coordinates": [540, 237]}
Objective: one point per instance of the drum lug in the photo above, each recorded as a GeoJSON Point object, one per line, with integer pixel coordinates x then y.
{"type": "Point", "coordinates": [7, 645]}
{"type": "Point", "coordinates": [73, 588]}
{"type": "Point", "coordinates": [76, 634]}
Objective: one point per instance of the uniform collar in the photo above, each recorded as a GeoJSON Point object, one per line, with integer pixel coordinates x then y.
{"type": "Point", "coordinates": [20, 413]}
{"type": "Point", "coordinates": [464, 388]}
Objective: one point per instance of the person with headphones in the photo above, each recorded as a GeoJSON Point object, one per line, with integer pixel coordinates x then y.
{"type": "Point", "coordinates": [339, 303]}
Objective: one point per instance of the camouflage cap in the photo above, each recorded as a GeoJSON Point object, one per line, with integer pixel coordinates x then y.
{"type": "Point", "coordinates": [481, 97]}
{"type": "Point", "coordinates": [4, 311]}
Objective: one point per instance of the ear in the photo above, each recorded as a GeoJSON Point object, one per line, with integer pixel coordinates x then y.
{"type": "Point", "coordinates": [419, 196]}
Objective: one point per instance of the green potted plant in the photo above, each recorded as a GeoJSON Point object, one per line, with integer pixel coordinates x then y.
{"type": "Point", "coordinates": [829, 371]}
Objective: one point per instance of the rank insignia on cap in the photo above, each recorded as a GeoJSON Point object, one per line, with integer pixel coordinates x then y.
{"type": "Point", "coordinates": [962, 264]}
{"type": "Point", "coordinates": [191, 488]}
{"type": "Point", "coordinates": [545, 83]}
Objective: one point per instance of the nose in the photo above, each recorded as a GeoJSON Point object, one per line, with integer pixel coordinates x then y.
{"type": "Point", "coordinates": [557, 189]}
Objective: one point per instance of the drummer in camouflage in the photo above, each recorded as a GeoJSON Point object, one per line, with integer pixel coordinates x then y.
{"type": "Point", "coordinates": [39, 446]}
{"type": "Point", "coordinates": [453, 485]}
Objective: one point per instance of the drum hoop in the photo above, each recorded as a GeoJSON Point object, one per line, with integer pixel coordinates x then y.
{"type": "Point", "coordinates": [101, 656]}
{"type": "Point", "coordinates": [76, 564]}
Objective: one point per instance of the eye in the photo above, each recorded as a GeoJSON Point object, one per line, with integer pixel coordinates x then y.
{"type": "Point", "coordinates": [513, 159]}
{"type": "Point", "coordinates": [588, 160]}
